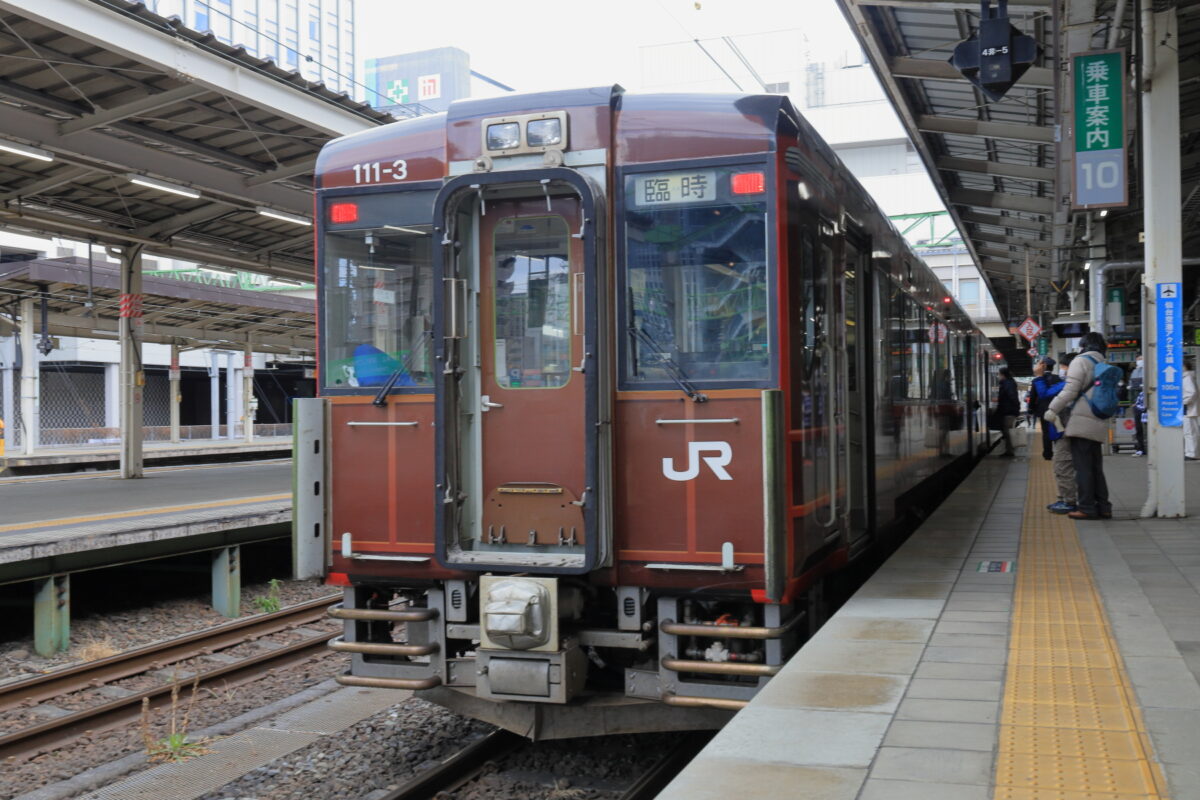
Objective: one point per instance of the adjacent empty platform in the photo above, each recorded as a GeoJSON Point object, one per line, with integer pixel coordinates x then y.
{"type": "Point", "coordinates": [61, 459]}
{"type": "Point", "coordinates": [65, 523]}
{"type": "Point", "coordinates": [1002, 653]}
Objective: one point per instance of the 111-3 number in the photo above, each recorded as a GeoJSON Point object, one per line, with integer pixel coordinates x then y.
{"type": "Point", "coordinates": [376, 171]}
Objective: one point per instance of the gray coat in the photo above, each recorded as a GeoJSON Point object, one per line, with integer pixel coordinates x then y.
{"type": "Point", "coordinates": [1083, 424]}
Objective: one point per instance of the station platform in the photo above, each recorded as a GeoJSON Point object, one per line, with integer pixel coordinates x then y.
{"type": "Point", "coordinates": [60, 459]}
{"type": "Point", "coordinates": [65, 523]}
{"type": "Point", "coordinates": [1003, 652]}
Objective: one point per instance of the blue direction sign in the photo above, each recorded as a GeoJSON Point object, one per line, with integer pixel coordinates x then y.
{"type": "Point", "coordinates": [1169, 354]}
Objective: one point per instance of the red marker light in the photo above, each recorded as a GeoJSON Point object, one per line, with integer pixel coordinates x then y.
{"type": "Point", "coordinates": [946, 300]}
{"type": "Point", "coordinates": [340, 213]}
{"type": "Point", "coordinates": [749, 183]}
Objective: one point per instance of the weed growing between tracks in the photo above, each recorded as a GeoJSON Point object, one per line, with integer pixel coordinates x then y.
{"type": "Point", "coordinates": [270, 603]}
{"type": "Point", "coordinates": [175, 746]}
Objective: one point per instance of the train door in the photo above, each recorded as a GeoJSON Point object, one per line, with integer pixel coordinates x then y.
{"type": "Point", "coordinates": [517, 440]}
{"type": "Point", "coordinates": [858, 380]}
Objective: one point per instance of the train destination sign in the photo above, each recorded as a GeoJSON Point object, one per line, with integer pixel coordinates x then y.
{"type": "Point", "coordinates": [674, 187]}
{"type": "Point", "coordinates": [1169, 354]}
{"type": "Point", "coordinates": [1100, 158]}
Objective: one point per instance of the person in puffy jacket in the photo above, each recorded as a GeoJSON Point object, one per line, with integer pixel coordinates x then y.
{"type": "Point", "coordinates": [1085, 431]}
{"type": "Point", "coordinates": [1008, 407]}
{"type": "Point", "coordinates": [1044, 378]}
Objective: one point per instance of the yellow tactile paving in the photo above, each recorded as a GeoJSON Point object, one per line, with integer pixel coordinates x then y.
{"type": "Point", "coordinates": [1070, 728]}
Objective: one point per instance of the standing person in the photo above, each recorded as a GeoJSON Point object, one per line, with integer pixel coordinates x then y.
{"type": "Point", "coordinates": [1085, 431]}
{"type": "Point", "coordinates": [1191, 410]}
{"type": "Point", "coordinates": [1008, 406]}
{"type": "Point", "coordinates": [1039, 399]}
{"type": "Point", "coordinates": [1136, 387]}
{"type": "Point", "coordinates": [1064, 467]}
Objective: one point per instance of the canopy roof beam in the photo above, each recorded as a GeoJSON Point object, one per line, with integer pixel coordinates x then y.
{"type": "Point", "coordinates": [134, 108]}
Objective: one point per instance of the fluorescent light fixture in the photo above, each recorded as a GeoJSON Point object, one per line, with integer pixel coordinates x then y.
{"type": "Point", "coordinates": [1087, 265]}
{"type": "Point", "coordinates": [163, 186]}
{"type": "Point", "coordinates": [283, 215]}
{"type": "Point", "coordinates": [1103, 213]}
{"type": "Point", "coordinates": [26, 150]}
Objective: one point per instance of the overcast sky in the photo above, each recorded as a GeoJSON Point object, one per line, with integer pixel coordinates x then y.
{"type": "Point", "coordinates": [572, 43]}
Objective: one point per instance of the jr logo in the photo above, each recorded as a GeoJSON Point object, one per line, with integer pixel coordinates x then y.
{"type": "Point", "coordinates": [724, 454]}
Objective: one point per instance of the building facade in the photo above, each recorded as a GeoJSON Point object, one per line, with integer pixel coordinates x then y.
{"type": "Point", "coordinates": [313, 37]}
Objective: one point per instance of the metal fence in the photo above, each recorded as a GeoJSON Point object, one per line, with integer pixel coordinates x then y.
{"type": "Point", "coordinates": [72, 412]}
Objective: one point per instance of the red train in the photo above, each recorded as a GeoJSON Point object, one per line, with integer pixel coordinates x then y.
{"type": "Point", "coordinates": [613, 383]}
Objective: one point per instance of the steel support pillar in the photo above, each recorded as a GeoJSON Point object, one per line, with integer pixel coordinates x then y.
{"type": "Point", "coordinates": [133, 376]}
{"type": "Point", "coordinates": [112, 396]}
{"type": "Point", "coordinates": [8, 408]}
{"type": "Point", "coordinates": [227, 581]}
{"type": "Point", "coordinates": [1161, 200]}
{"type": "Point", "coordinates": [31, 424]}
{"type": "Point", "coordinates": [174, 376]}
{"type": "Point", "coordinates": [248, 405]}
{"type": "Point", "coordinates": [52, 615]}
{"type": "Point", "coordinates": [231, 397]}
{"type": "Point", "coordinates": [214, 393]}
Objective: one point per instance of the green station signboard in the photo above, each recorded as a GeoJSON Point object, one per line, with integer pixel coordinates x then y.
{"type": "Point", "coordinates": [1099, 130]}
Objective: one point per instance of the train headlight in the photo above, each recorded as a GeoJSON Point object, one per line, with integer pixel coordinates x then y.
{"type": "Point", "coordinates": [544, 132]}
{"type": "Point", "coordinates": [504, 136]}
{"type": "Point", "coordinates": [518, 614]}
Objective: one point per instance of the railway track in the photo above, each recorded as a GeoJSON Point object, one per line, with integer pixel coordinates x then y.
{"type": "Point", "coordinates": [52, 734]}
{"type": "Point", "coordinates": [468, 764]}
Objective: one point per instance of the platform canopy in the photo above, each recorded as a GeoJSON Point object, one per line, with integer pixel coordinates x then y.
{"type": "Point", "coordinates": [84, 301]}
{"type": "Point", "coordinates": [98, 94]}
{"type": "Point", "coordinates": [994, 164]}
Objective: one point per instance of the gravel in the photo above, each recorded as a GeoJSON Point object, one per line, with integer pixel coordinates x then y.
{"type": "Point", "coordinates": [99, 632]}
{"type": "Point", "coordinates": [379, 752]}
{"type": "Point", "coordinates": [384, 751]}
{"type": "Point", "coordinates": [211, 706]}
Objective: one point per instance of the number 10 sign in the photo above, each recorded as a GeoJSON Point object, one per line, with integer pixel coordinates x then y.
{"type": "Point", "coordinates": [1099, 123]}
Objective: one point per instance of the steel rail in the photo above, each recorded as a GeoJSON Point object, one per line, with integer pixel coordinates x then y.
{"type": "Point", "coordinates": [460, 768]}
{"type": "Point", "coordinates": [655, 779]}
{"type": "Point", "coordinates": [159, 654]}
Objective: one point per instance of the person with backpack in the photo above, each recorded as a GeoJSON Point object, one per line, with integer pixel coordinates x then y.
{"type": "Point", "coordinates": [1039, 399]}
{"type": "Point", "coordinates": [1091, 395]}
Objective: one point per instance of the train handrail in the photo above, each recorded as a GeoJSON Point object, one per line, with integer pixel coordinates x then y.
{"type": "Point", "coordinates": [382, 648]}
{"type": "Point", "coordinates": [720, 667]}
{"type": "Point", "coordinates": [830, 404]}
{"type": "Point", "coordinates": [339, 611]}
{"type": "Point", "coordinates": [728, 631]}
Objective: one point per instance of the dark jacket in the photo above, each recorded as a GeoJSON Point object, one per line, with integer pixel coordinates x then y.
{"type": "Point", "coordinates": [1038, 402]}
{"type": "Point", "coordinates": [1008, 404]}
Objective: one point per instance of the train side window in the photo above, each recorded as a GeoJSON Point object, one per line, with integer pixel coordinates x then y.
{"type": "Point", "coordinates": [697, 283]}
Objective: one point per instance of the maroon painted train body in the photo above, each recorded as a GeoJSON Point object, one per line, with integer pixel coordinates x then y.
{"type": "Point", "coordinates": [611, 384]}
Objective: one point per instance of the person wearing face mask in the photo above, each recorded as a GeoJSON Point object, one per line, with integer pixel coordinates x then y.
{"type": "Point", "coordinates": [1085, 431]}
{"type": "Point", "coordinates": [1064, 466]}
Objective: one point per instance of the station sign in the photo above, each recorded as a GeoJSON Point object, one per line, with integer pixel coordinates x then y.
{"type": "Point", "coordinates": [1169, 354]}
{"type": "Point", "coordinates": [1033, 352]}
{"type": "Point", "coordinates": [1043, 346]}
{"type": "Point", "coordinates": [1100, 179]}
{"type": "Point", "coordinates": [1029, 329]}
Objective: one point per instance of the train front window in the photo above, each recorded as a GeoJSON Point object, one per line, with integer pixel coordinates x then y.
{"type": "Point", "coordinates": [696, 278]}
{"type": "Point", "coordinates": [377, 307]}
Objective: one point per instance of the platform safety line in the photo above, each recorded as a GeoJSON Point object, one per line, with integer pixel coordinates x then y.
{"type": "Point", "coordinates": [1070, 725]}
{"type": "Point", "coordinates": [144, 512]}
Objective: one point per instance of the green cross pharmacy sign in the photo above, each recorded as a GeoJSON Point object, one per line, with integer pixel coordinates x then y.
{"type": "Point", "coordinates": [1099, 97]}
{"type": "Point", "coordinates": [397, 91]}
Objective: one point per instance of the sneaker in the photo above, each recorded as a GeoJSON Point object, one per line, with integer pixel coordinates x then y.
{"type": "Point", "coordinates": [1061, 507]}
{"type": "Point", "coordinates": [1138, 454]}
{"type": "Point", "coordinates": [1082, 515]}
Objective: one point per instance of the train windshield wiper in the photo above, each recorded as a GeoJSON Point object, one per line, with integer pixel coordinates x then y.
{"type": "Point", "coordinates": [673, 370]}
{"type": "Point", "coordinates": [405, 368]}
